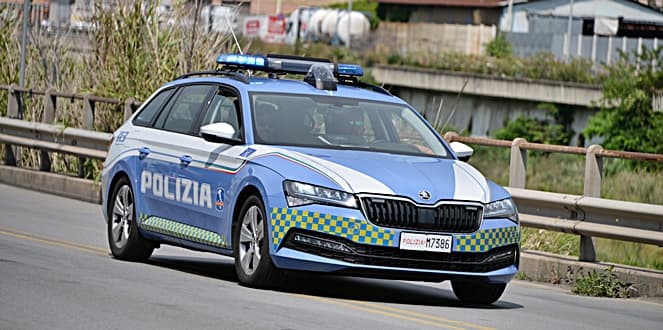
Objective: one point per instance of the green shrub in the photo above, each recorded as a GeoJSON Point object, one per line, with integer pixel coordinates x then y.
{"type": "Point", "coordinates": [626, 120]}
{"type": "Point", "coordinates": [555, 130]}
{"type": "Point", "coordinates": [499, 47]}
{"type": "Point", "coordinates": [602, 284]}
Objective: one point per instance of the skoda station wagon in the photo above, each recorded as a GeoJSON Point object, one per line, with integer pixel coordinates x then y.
{"type": "Point", "coordinates": [321, 173]}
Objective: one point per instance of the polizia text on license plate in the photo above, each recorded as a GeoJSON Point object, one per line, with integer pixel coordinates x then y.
{"type": "Point", "coordinates": [426, 242]}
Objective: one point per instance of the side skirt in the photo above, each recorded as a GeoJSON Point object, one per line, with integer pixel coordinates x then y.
{"type": "Point", "coordinates": [180, 234]}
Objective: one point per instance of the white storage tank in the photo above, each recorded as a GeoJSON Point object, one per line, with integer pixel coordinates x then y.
{"type": "Point", "coordinates": [356, 23]}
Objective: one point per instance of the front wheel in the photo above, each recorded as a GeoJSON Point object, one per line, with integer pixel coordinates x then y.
{"type": "Point", "coordinates": [253, 263]}
{"type": "Point", "coordinates": [123, 237]}
{"type": "Point", "coordinates": [475, 292]}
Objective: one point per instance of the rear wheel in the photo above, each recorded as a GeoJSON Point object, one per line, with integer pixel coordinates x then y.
{"type": "Point", "coordinates": [475, 292]}
{"type": "Point", "coordinates": [253, 263]}
{"type": "Point", "coordinates": [123, 237]}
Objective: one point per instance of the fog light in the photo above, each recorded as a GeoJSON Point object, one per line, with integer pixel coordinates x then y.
{"type": "Point", "coordinates": [322, 243]}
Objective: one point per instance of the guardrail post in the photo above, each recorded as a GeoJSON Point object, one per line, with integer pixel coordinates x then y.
{"type": "Point", "coordinates": [518, 164]}
{"type": "Point", "coordinates": [592, 188]}
{"type": "Point", "coordinates": [128, 108]}
{"type": "Point", "coordinates": [13, 111]}
{"type": "Point", "coordinates": [48, 117]}
{"type": "Point", "coordinates": [88, 123]}
{"type": "Point", "coordinates": [14, 102]}
{"type": "Point", "coordinates": [88, 112]}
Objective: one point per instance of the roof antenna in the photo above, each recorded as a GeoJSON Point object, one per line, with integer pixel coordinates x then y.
{"type": "Point", "coordinates": [437, 116]}
{"type": "Point", "coordinates": [232, 31]}
{"type": "Point", "coordinates": [453, 110]}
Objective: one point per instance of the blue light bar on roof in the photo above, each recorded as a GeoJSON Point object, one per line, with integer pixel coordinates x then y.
{"type": "Point", "coordinates": [249, 62]}
{"type": "Point", "coordinates": [285, 64]}
{"type": "Point", "coordinates": [350, 70]}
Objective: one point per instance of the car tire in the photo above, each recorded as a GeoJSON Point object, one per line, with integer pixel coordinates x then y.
{"type": "Point", "coordinates": [475, 292]}
{"type": "Point", "coordinates": [253, 263]}
{"type": "Point", "coordinates": [124, 240]}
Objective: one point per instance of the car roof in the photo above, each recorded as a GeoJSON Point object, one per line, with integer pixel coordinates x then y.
{"type": "Point", "coordinates": [290, 86]}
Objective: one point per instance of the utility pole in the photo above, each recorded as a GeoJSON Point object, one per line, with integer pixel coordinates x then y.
{"type": "Point", "coordinates": [567, 51]}
{"type": "Point", "coordinates": [509, 17]}
{"type": "Point", "coordinates": [24, 40]}
{"type": "Point", "coordinates": [349, 22]}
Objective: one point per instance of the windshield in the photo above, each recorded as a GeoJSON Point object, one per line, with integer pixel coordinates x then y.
{"type": "Point", "coordinates": [340, 123]}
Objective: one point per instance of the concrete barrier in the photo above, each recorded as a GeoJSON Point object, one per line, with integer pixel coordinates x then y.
{"type": "Point", "coordinates": [52, 183]}
{"type": "Point", "coordinates": [551, 268]}
{"type": "Point", "coordinates": [486, 85]}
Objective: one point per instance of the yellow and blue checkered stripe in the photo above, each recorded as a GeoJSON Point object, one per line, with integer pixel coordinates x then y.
{"type": "Point", "coordinates": [183, 231]}
{"type": "Point", "coordinates": [486, 239]}
{"type": "Point", "coordinates": [361, 231]}
{"type": "Point", "coordinates": [356, 230]}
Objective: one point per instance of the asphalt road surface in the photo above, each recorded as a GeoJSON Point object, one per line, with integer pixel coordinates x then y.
{"type": "Point", "coordinates": [56, 273]}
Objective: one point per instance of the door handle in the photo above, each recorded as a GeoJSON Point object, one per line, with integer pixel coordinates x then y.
{"type": "Point", "coordinates": [143, 152]}
{"type": "Point", "coordinates": [185, 160]}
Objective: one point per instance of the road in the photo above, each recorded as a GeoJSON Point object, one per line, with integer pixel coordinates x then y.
{"type": "Point", "coordinates": [56, 273]}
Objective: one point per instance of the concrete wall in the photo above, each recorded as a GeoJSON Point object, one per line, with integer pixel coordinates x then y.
{"type": "Point", "coordinates": [432, 38]}
{"type": "Point", "coordinates": [486, 102]}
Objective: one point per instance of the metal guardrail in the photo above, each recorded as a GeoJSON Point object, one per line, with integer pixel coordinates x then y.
{"type": "Point", "coordinates": [73, 141]}
{"type": "Point", "coordinates": [15, 104]}
{"type": "Point", "coordinates": [587, 215]}
{"type": "Point", "coordinates": [578, 217]}
{"type": "Point", "coordinates": [590, 216]}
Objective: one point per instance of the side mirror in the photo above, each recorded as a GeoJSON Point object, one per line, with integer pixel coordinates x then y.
{"type": "Point", "coordinates": [462, 150]}
{"type": "Point", "coordinates": [219, 133]}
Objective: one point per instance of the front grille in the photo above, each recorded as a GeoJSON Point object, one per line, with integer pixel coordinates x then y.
{"type": "Point", "coordinates": [446, 217]}
{"type": "Point", "coordinates": [472, 262]}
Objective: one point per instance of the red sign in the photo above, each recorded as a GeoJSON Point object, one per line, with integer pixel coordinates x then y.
{"type": "Point", "coordinates": [253, 26]}
{"type": "Point", "coordinates": [276, 25]}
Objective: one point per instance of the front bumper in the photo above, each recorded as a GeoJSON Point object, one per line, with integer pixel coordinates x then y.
{"type": "Point", "coordinates": [319, 240]}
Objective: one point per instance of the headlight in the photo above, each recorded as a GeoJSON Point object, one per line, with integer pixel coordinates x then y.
{"type": "Point", "coordinates": [504, 208]}
{"type": "Point", "coordinates": [297, 194]}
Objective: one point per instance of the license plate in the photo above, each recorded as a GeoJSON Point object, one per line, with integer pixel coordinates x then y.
{"type": "Point", "coordinates": [426, 242]}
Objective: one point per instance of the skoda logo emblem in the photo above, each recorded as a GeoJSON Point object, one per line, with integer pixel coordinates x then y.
{"type": "Point", "coordinates": [425, 195]}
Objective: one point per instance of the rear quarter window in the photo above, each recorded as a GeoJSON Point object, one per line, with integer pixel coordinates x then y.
{"type": "Point", "coordinates": [147, 114]}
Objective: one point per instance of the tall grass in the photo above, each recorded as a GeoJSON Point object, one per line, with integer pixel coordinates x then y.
{"type": "Point", "coordinates": [133, 52]}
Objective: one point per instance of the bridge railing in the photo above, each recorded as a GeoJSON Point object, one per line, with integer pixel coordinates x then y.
{"type": "Point", "coordinates": [16, 136]}
{"type": "Point", "coordinates": [586, 215]}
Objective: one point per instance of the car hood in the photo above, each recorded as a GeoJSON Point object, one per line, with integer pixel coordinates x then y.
{"type": "Point", "coordinates": [392, 174]}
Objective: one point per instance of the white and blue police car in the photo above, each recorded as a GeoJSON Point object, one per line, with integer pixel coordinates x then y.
{"type": "Point", "coordinates": [325, 174]}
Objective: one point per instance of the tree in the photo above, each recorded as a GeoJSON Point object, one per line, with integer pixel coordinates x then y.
{"type": "Point", "coordinates": [626, 120]}
{"type": "Point", "coordinates": [555, 129]}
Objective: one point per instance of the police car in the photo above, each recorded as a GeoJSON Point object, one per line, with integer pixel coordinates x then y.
{"type": "Point", "coordinates": [321, 174]}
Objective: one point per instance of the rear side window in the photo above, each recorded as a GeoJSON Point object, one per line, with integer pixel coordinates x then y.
{"type": "Point", "coordinates": [185, 108]}
{"type": "Point", "coordinates": [148, 113]}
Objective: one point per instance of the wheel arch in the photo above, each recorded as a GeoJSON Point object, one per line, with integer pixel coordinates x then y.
{"type": "Point", "coordinates": [111, 187]}
{"type": "Point", "coordinates": [247, 191]}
